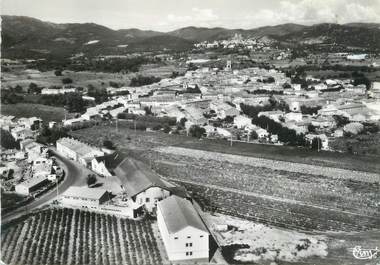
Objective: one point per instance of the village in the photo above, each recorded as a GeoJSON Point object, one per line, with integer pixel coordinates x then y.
{"type": "Point", "coordinates": [250, 105]}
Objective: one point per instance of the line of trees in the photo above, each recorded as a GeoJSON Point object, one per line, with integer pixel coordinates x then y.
{"type": "Point", "coordinates": [141, 80]}
{"type": "Point", "coordinates": [285, 134]}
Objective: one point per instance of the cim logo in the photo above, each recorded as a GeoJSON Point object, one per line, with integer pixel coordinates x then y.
{"type": "Point", "coordinates": [361, 253]}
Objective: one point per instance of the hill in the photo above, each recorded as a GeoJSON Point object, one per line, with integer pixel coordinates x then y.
{"type": "Point", "coordinates": [25, 37]}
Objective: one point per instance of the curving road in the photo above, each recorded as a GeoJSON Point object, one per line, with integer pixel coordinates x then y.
{"type": "Point", "coordinates": [74, 175]}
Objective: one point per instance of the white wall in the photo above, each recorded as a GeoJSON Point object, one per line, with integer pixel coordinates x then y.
{"type": "Point", "coordinates": [154, 195]}
{"type": "Point", "coordinates": [100, 168]}
{"type": "Point", "coordinates": [63, 150]}
{"type": "Point", "coordinates": [175, 244]}
{"type": "Point", "coordinates": [80, 202]}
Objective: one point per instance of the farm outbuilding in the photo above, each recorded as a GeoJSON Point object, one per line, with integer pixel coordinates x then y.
{"type": "Point", "coordinates": [184, 234]}
{"type": "Point", "coordinates": [85, 197]}
{"type": "Point", "coordinates": [142, 184]}
{"type": "Point", "coordinates": [30, 185]}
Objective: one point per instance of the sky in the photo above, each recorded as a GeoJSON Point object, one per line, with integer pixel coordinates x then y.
{"type": "Point", "coordinates": [166, 15]}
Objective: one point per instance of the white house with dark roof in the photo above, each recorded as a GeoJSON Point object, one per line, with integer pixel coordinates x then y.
{"type": "Point", "coordinates": [184, 234]}
{"type": "Point", "coordinates": [142, 184]}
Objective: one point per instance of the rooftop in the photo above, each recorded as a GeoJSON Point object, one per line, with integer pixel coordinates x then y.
{"type": "Point", "coordinates": [137, 177]}
{"type": "Point", "coordinates": [179, 213]}
{"type": "Point", "coordinates": [85, 192]}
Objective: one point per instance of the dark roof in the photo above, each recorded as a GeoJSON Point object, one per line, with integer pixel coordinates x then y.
{"type": "Point", "coordinates": [179, 213]}
{"type": "Point", "coordinates": [111, 161]}
{"type": "Point", "coordinates": [137, 177]}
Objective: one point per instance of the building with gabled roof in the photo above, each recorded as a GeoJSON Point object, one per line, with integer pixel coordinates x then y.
{"type": "Point", "coordinates": [105, 165]}
{"type": "Point", "coordinates": [184, 233]}
{"type": "Point", "coordinates": [141, 184]}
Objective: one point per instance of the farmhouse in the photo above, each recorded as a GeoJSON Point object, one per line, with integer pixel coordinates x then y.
{"type": "Point", "coordinates": [77, 150]}
{"type": "Point", "coordinates": [30, 185]}
{"type": "Point", "coordinates": [85, 197]}
{"type": "Point", "coordinates": [184, 234]}
{"type": "Point", "coordinates": [104, 165]}
{"type": "Point", "coordinates": [141, 184]}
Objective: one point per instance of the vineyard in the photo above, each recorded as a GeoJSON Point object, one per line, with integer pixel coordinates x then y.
{"type": "Point", "coordinates": [67, 236]}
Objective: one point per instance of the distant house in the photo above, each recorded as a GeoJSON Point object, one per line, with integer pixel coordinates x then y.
{"type": "Point", "coordinates": [30, 185]}
{"type": "Point", "coordinates": [242, 121]}
{"type": "Point", "coordinates": [275, 115]}
{"type": "Point", "coordinates": [20, 133]}
{"type": "Point", "coordinates": [42, 166]}
{"type": "Point", "coordinates": [141, 184]}
{"type": "Point", "coordinates": [104, 165]}
{"type": "Point", "coordinates": [85, 197]}
{"type": "Point", "coordinates": [184, 234]}
{"type": "Point", "coordinates": [57, 91]}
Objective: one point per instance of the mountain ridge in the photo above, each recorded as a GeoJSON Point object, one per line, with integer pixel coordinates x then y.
{"type": "Point", "coordinates": [24, 36]}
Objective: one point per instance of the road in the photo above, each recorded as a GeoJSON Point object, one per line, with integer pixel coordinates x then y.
{"type": "Point", "coordinates": [75, 175]}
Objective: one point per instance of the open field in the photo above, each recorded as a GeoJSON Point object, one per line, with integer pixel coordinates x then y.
{"type": "Point", "coordinates": [47, 113]}
{"type": "Point", "coordinates": [47, 79]}
{"type": "Point", "coordinates": [261, 183]}
{"type": "Point", "coordinates": [67, 236]}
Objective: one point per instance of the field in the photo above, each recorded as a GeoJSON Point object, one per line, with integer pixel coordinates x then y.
{"type": "Point", "coordinates": [127, 138]}
{"type": "Point", "coordinates": [286, 187]}
{"type": "Point", "coordinates": [67, 236]}
{"type": "Point", "coordinates": [46, 113]}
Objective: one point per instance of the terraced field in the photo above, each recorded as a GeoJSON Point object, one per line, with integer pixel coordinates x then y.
{"type": "Point", "coordinates": [274, 192]}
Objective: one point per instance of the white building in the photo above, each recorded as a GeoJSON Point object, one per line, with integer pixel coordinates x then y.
{"type": "Point", "coordinates": [242, 121]}
{"type": "Point", "coordinates": [85, 197]}
{"type": "Point", "coordinates": [141, 184]}
{"type": "Point", "coordinates": [104, 165]}
{"type": "Point", "coordinates": [77, 150]}
{"type": "Point", "coordinates": [184, 234]}
{"type": "Point", "coordinates": [30, 185]}
{"type": "Point", "coordinates": [57, 91]}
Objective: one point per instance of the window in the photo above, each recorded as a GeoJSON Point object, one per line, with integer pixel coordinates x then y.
{"type": "Point", "coordinates": [187, 244]}
{"type": "Point", "coordinates": [201, 236]}
{"type": "Point", "coordinates": [187, 253]}
{"type": "Point", "coordinates": [146, 199]}
{"type": "Point", "coordinates": [190, 253]}
{"type": "Point", "coordinates": [190, 244]}
{"type": "Point", "coordinates": [176, 237]}
{"type": "Point", "coordinates": [188, 236]}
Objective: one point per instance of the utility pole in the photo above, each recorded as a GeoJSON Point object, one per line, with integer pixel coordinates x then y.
{"type": "Point", "coordinates": [117, 129]}
{"type": "Point", "coordinates": [56, 180]}
{"type": "Point", "coordinates": [134, 122]}
{"type": "Point", "coordinates": [231, 140]}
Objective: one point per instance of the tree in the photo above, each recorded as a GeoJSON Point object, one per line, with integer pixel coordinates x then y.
{"type": "Point", "coordinates": [34, 89]}
{"type": "Point", "coordinates": [316, 143]}
{"type": "Point", "coordinates": [253, 135]}
{"type": "Point", "coordinates": [7, 140]}
{"type": "Point", "coordinates": [58, 72]}
{"type": "Point", "coordinates": [109, 144]}
{"type": "Point", "coordinates": [67, 80]}
{"type": "Point", "coordinates": [197, 131]}
{"type": "Point", "coordinates": [341, 120]}
{"type": "Point", "coordinates": [91, 179]}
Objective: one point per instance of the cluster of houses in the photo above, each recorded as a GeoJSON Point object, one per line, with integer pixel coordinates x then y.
{"type": "Point", "coordinates": [184, 233]}
{"type": "Point", "coordinates": [207, 95]}
{"type": "Point", "coordinates": [40, 168]}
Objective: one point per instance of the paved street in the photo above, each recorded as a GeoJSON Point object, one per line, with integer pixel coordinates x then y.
{"type": "Point", "coordinates": [75, 176]}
